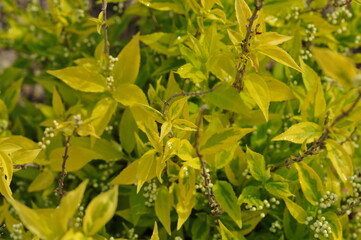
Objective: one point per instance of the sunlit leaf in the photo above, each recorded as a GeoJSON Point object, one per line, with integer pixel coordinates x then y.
{"type": "Point", "coordinates": [257, 166]}
{"type": "Point", "coordinates": [296, 211]}
{"type": "Point", "coordinates": [129, 94]}
{"type": "Point", "coordinates": [340, 159]}
{"type": "Point", "coordinates": [300, 132]}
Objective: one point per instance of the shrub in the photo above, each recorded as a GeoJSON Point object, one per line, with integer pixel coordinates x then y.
{"type": "Point", "coordinates": [181, 119]}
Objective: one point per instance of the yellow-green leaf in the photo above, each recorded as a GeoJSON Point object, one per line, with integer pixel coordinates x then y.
{"type": "Point", "coordinates": [226, 197]}
{"type": "Point", "coordinates": [258, 90]}
{"type": "Point", "coordinates": [129, 94]}
{"type": "Point", "coordinates": [272, 38]}
{"type": "Point", "coordinates": [296, 211]}
{"type": "Point", "coordinates": [336, 66]}
{"type": "Point", "coordinates": [300, 132]}
{"type": "Point", "coordinates": [243, 13]}
{"type": "Point", "coordinates": [278, 188]}
{"type": "Point", "coordinates": [165, 129]}
{"type": "Point", "coordinates": [335, 224]}
{"type": "Point", "coordinates": [81, 78]}
{"type": "Point", "coordinates": [42, 181]}
{"type": "Point", "coordinates": [257, 166]}
{"type": "Point", "coordinates": [58, 105]}
{"type": "Point", "coordinates": [100, 210]}
{"type": "Point", "coordinates": [176, 108]}
{"type": "Point", "coordinates": [162, 208]}
{"type": "Point", "coordinates": [155, 232]}
{"type": "Point", "coordinates": [225, 233]}
{"type": "Point", "coordinates": [279, 55]}
{"type": "Point", "coordinates": [127, 128]}
{"type": "Point", "coordinates": [102, 114]}
{"type": "Point", "coordinates": [278, 91]}
{"type": "Point", "coordinates": [340, 159]}
{"type": "Point", "coordinates": [145, 163]}
{"type": "Point", "coordinates": [128, 175]}
{"type": "Point", "coordinates": [78, 157]}
{"type": "Point", "coordinates": [127, 67]}
{"type": "Point", "coordinates": [310, 182]}
{"type": "Point", "coordinates": [222, 138]}
{"type": "Point", "coordinates": [185, 125]}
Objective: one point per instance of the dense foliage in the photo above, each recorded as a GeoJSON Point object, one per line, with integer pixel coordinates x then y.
{"type": "Point", "coordinates": [181, 119]}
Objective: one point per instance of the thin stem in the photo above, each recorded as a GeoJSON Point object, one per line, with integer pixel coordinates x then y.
{"type": "Point", "coordinates": [207, 180]}
{"type": "Point", "coordinates": [26, 165]}
{"type": "Point", "coordinates": [200, 93]}
{"type": "Point", "coordinates": [60, 189]}
{"type": "Point", "coordinates": [105, 27]}
{"type": "Point", "coordinates": [241, 67]}
{"type": "Point", "coordinates": [320, 142]}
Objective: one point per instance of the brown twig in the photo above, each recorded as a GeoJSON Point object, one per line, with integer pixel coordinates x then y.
{"type": "Point", "coordinates": [207, 180]}
{"type": "Point", "coordinates": [200, 93]}
{"type": "Point", "coordinates": [313, 150]}
{"type": "Point", "coordinates": [26, 165]}
{"type": "Point", "coordinates": [241, 67]}
{"type": "Point", "coordinates": [349, 138]}
{"type": "Point", "coordinates": [349, 207]}
{"type": "Point", "coordinates": [105, 27]}
{"type": "Point", "coordinates": [60, 189]}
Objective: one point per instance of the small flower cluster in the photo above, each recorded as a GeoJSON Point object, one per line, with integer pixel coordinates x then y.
{"type": "Point", "coordinates": [110, 78]}
{"type": "Point", "coordinates": [79, 218]}
{"type": "Point", "coordinates": [327, 200]}
{"type": "Point", "coordinates": [118, 8]}
{"type": "Point", "coordinates": [17, 233]}
{"type": "Point", "coordinates": [358, 39]}
{"type": "Point", "coordinates": [355, 225]}
{"type": "Point", "coordinates": [295, 13]}
{"type": "Point", "coordinates": [109, 128]}
{"type": "Point", "coordinates": [341, 14]}
{"type": "Point", "coordinates": [178, 238]}
{"type": "Point", "coordinates": [305, 54]}
{"type": "Point", "coordinates": [150, 193]}
{"type": "Point", "coordinates": [216, 236]}
{"type": "Point", "coordinates": [246, 173]}
{"type": "Point", "coordinates": [107, 170]}
{"type": "Point", "coordinates": [77, 120]}
{"type": "Point", "coordinates": [311, 30]}
{"type": "Point", "coordinates": [131, 235]}
{"type": "Point", "coordinates": [3, 125]}
{"type": "Point", "coordinates": [49, 133]}
{"type": "Point", "coordinates": [320, 227]}
{"type": "Point", "coordinates": [200, 182]}
{"type": "Point", "coordinates": [275, 226]}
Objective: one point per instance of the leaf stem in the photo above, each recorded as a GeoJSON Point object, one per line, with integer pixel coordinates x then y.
{"type": "Point", "coordinates": [204, 173]}
{"type": "Point", "coordinates": [320, 142]}
{"type": "Point", "coordinates": [241, 67]}
{"type": "Point", "coordinates": [105, 27]}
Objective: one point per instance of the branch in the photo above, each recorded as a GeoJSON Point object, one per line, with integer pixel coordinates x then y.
{"type": "Point", "coordinates": [241, 68]}
{"type": "Point", "coordinates": [26, 165]}
{"type": "Point", "coordinates": [349, 138]}
{"type": "Point", "coordinates": [313, 150]}
{"type": "Point", "coordinates": [105, 27]}
{"type": "Point", "coordinates": [200, 93]}
{"type": "Point", "coordinates": [207, 180]}
{"type": "Point", "coordinates": [60, 189]}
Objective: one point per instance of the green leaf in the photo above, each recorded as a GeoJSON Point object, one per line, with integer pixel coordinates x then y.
{"type": "Point", "coordinates": [340, 159]}
{"type": "Point", "coordinates": [223, 157]}
{"type": "Point", "coordinates": [336, 66]}
{"type": "Point", "coordinates": [81, 78]}
{"type": "Point", "coordinates": [279, 55]}
{"type": "Point", "coordinates": [278, 91]}
{"type": "Point", "coordinates": [222, 138]}
{"type": "Point", "coordinates": [296, 211]}
{"type": "Point", "coordinates": [127, 128]}
{"type": "Point", "coordinates": [129, 94]}
{"type": "Point", "coordinates": [184, 125]}
{"type": "Point", "coordinates": [155, 232]}
{"type": "Point", "coordinates": [100, 210]}
{"type": "Point", "coordinates": [226, 97]}
{"type": "Point", "coordinates": [127, 67]}
{"type": "Point", "coordinates": [258, 90]}
{"type": "Point", "coordinates": [301, 132]}
{"type": "Point", "coordinates": [243, 13]}
{"type": "Point", "coordinates": [58, 105]}
{"type": "Point", "coordinates": [311, 183]}
{"type": "Point", "coordinates": [225, 233]}
{"type": "Point", "coordinates": [185, 150]}
{"type": "Point", "coordinates": [226, 197]}
{"type": "Point", "coordinates": [278, 188]}
{"type": "Point", "coordinates": [162, 208]}
{"type": "Point", "coordinates": [257, 166]}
